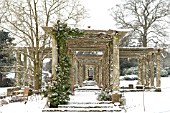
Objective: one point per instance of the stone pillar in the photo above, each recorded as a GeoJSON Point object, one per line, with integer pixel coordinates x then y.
{"type": "Point", "coordinates": [80, 74]}
{"type": "Point", "coordinates": [94, 72]}
{"type": "Point", "coordinates": [25, 82]}
{"type": "Point", "coordinates": [100, 74]}
{"type": "Point", "coordinates": [152, 69]}
{"type": "Point", "coordinates": [115, 61]}
{"type": "Point", "coordinates": [54, 57]}
{"type": "Point", "coordinates": [144, 71]}
{"type": "Point", "coordinates": [30, 77]}
{"type": "Point", "coordinates": [111, 65]}
{"type": "Point", "coordinates": [103, 74]}
{"type": "Point", "coordinates": [72, 82]}
{"type": "Point", "coordinates": [76, 72]}
{"type": "Point", "coordinates": [97, 74]}
{"type": "Point", "coordinates": [158, 81]}
{"type": "Point", "coordinates": [139, 71]}
{"type": "Point", "coordinates": [105, 71]}
{"type": "Point", "coordinates": [147, 79]}
{"type": "Point", "coordinates": [84, 72]}
{"type": "Point", "coordinates": [108, 69]}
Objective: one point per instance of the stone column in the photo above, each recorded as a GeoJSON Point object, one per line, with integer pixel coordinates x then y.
{"type": "Point", "coordinates": [152, 69]}
{"type": "Point", "coordinates": [30, 77]}
{"type": "Point", "coordinates": [72, 82]}
{"type": "Point", "coordinates": [158, 81]}
{"type": "Point", "coordinates": [115, 62]}
{"type": "Point", "coordinates": [87, 71]}
{"type": "Point", "coordinates": [80, 74]}
{"type": "Point", "coordinates": [100, 74]}
{"type": "Point", "coordinates": [144, 71]}
{"type": "Point", "coordinates": [84, 72]}
{"type": "Point", "coordinates": [76, 71]}
{"type": "Point", "coordinates": [97, 74]}
{"type": "Point", "coordinates": [105, 70]}
{"type": "Point", "coordinates": [108, 69]}
{"type": "Point", "coordinates": [103, 74]}
{"type": "Point", "coordinates": [139, 71]}
{"type": "Point", "coordinates": [111, 66]}
{"type": "Point", "coordinates": [54, 57]}
{"type": "Point", "coordinates": [25, 78]}
{"type": "Point", "coordinates": [147, 71]}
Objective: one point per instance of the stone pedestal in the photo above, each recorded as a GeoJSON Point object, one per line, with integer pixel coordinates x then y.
{"type": "Point", "coordinates": [139, 86]}
{"type": "Point", "coordinates": [157, 89]}
{"type": "Point", "coordinates": [130, 86]}
{"type": "Point", "coordinates": [116, 97]}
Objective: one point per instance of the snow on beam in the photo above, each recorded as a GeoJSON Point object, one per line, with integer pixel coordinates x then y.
{"type": "Point", "coordinates": [48, 29]}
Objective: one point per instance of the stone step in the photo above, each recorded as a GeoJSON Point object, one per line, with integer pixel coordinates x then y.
{"type": "Point", "coordinates": [87, 90]}
{"type": "Point", "coordinates": [87, 106]}
{"type": "Point", "coordinates": [115, 109]}
{"type": "Point", "coordinates": [131, 90]}
{"type": "Point", "coordinates": [97, 102]}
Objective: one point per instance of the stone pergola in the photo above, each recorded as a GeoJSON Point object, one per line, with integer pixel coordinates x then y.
{"type": "Point", "coordinates": [99, 50]}
{"type": "Point", "coordinates": [147, 58]}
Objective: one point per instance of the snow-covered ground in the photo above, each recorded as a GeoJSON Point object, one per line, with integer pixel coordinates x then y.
{"type": "Point", "coordinates": [34, 106]}
{"type": "Point", "coordinates": [136, 102]}
{"type": "Point", "coordinates": [151, 102]}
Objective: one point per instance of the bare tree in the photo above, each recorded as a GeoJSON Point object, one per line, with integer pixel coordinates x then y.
{"type": "Point", "coordinates": [24, 19]}
{"type": "Point", "coordinates": [148, 19]}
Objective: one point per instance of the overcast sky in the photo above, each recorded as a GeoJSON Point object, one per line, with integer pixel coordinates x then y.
{"type": "Point", "coordinates": [99, 16]}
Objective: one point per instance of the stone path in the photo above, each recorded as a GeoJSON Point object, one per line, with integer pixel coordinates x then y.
{"type": "Point", "coordinates": [85, 100]}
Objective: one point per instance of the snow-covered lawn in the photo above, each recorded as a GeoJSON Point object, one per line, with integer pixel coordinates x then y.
{"type": "Point", "coordinates": [151, 102]}
{"type": "Point", "coordinates": [34, 106]}
{"type": "Point", "coordinates": [136, 102]}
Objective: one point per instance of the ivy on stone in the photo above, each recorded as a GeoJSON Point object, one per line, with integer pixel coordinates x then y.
{"type": "Point", "coordinates": [59, 91]}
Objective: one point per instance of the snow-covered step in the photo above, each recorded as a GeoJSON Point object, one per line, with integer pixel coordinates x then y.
{"type": "Point", "coordinates": [131, 90]}
{"type": "Point", "coordinates": [87, 106]}
{"type": "Point", "coordinates": [87, 90]}
{"type": "Point", "coordinates": [97, 102]}
{"type": "Point", "coordinates": [115, 109]}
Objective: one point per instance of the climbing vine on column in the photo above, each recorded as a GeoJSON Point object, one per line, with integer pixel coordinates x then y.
{"type": "Point", "coordinates": [59, 91]}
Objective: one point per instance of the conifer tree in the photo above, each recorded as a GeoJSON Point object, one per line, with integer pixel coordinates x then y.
{"type": "Point", "coordinates": [6, 56]}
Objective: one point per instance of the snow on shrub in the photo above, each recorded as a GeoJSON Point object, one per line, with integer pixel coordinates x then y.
{"type": "Point", "coordinates": [131, 71]}
{"type": "Point", "coordinates": [104, 96]}
{"type": "Point", "coordinates": [168, 70]}
{"type": "Point", "coordinates": [164, 73]}
{"type": "Point", "coordinates": [131, 77]}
